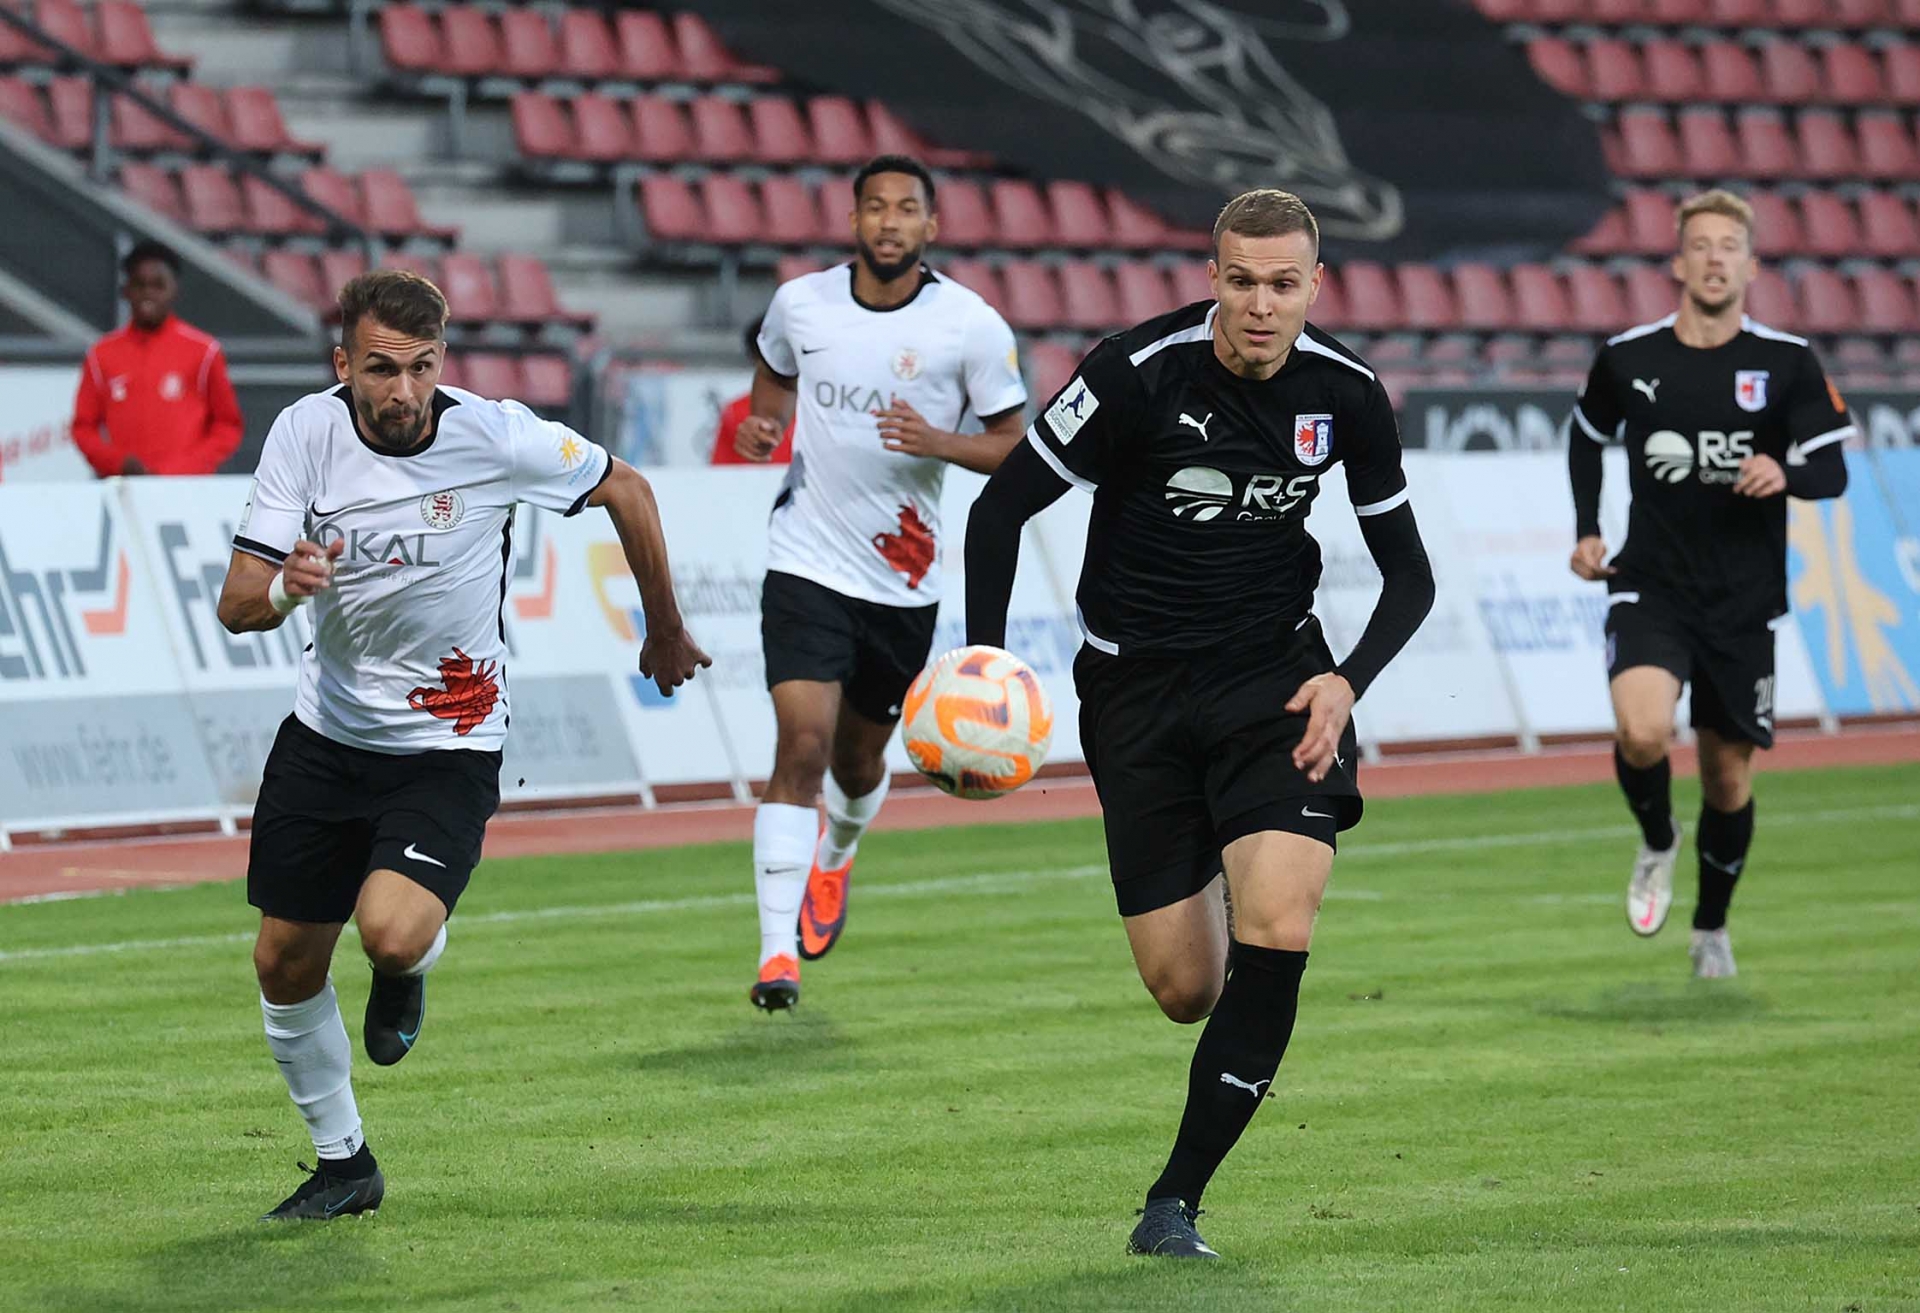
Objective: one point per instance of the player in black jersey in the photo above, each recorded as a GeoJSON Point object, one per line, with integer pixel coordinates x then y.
{"type": "Point", "coordinates": [1214, 719]}
{"type": "Point", "coordinates": [1723, 419]}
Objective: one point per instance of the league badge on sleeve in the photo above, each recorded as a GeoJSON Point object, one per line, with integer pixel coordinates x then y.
{"type": "Point", "coordinates": [1074, 408]}
{"type": "Point", "coordinates": [1750, 389]}
{"type": "Point", "coordinates": [1312, 438]}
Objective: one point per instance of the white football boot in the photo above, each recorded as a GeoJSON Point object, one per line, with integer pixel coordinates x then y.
{"type": "Point", "coordinates": [1650, 892]}
{"type": "Point", "coordinates": [1712, 954]}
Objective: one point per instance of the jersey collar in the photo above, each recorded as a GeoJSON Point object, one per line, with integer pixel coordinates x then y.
{"type": "Point", "coordinates": [442, 403]}
{"type": "Point", "coordinates": [927, 277]}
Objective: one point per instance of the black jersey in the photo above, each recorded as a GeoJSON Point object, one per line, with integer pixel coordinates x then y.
{"type": "Point", "coordinates": [1689, 417]}
{"type": "Point", "coordinates": [1202, 480]}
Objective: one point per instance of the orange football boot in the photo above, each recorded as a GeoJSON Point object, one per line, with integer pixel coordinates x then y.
{"type": "Point", "coordinates": [823, 911]}
{"type": "Point", "coordinates": [779, 985]}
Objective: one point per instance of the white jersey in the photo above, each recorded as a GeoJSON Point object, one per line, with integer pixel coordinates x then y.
{"type": "Point", "coordinates": [853, 516]}
{"type": "Point", "coordinates": [409, 649]}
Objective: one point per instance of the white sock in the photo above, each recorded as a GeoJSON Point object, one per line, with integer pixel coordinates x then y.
{"type": "Point", "coordinates": [432, 955]}
{"type": "Point", "coordinates": [783, 837]}
{"type": "Point", "coordinates": [847, 819]}
{"type": "Point", "coordinates": [309, 1041]}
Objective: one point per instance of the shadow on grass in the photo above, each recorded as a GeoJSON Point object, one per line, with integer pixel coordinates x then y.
{"type": "Point", "coordinates": [1134, 1285]}
{"type": "Point", "coordinates": [259, 1265]}
{"type": "Point", "coordinates": [803, 1040]}
{"type": "Point", "coordinates": [1708, 1002]}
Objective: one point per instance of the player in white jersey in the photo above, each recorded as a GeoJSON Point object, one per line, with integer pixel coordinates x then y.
{"type": "Point", "coordinates": [388, 504]}
{"type": "Point", "coordinates": [884, 358]}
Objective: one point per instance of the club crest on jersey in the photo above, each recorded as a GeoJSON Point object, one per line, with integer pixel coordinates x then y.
{"type": "Point", "coordinates": [907, 364]}
{"type": "Point", "coordinates": [1071, 409]}
{"type": "Point", "coordinates": [1312, 438]}
{"type": "Point", "coordinates": [442, 510]}
{"type": "Point", "coordinates": [171, 388]}
{"type": "Point", "coordinates": [1750, 389]}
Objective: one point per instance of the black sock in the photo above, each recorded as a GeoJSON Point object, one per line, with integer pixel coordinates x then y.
{"type": "Point", "coordinates": [1722, 844]}
{"type": "Point", "coordinates": [1650, 795]}
{"type": "Point", "coordinates": [350, 1169]}
{"type": "Point", "coordinates": [1244, 1039]}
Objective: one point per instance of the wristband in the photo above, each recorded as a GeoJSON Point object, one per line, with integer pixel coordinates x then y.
{"type": "Point", "coordinates": [279, 599]}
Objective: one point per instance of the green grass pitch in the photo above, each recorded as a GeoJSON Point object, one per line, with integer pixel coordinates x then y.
{"type": "Point", "coordinates": [1496, 1098]}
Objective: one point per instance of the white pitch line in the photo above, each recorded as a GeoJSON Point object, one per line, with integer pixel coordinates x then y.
{"type": "Point", "coordinates": [991, 880]}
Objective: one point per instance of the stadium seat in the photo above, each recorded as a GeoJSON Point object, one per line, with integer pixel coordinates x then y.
{"type": "Point", "coordinates": [1850, 76]}
{"type": "Point", "coordinates": [271, 212]}
{"type": "Point", "coordinates": [391, 209]}
{"type": "Point", "coordinates": [602, 132]}
{"type": "Point", "coordinates": [1614, 72]}
{"type": "Point", "coordinates": [1135, 228]}
{"type": "Point", "coordinates": [1886, 302]}
{"type": "Point", "coordinates": [200, 105]}
{"type": "Point", "coordinates": [1647, 146]}
{"type": "Point", "coordinates": [409, 42]}
{"type": "Point", "coordinates": [1033, 295]}
{"type": "Point", "coordinates": [153, 187]}
{"type": "Point", "coordinates": [126, 41]}
{"type": "Point", "coordinates": [1889, 230]}
{"type": "Point", "coordinates": [790, 267]}
{"type": "Point", "coordinates": [1777, 230]}
{"type": "Point", "coordinates": [893, 136]}
{"type": "Point", "coordinates": [1651, 293]}
{"type": "Point", "coordinates": [1649, 230]}
{"type": "Point", "coordinates": [333, 189]}
{"type": "Point", "coordinates": [1770, 300]}
{"type": "Point", "coordinates": [452, 370]}
{"type": "Point", "coordinates": [1540, 301]}
{"type": "Point", "coordinates": [1051, 366]}
{"type": "Point", "coordinates": [1673, 71]}
{"type": "Point", "coordinates": [840, 135]}
{"type": "Point", "coordinates": [1827, 303]}
{"type": "Point", "coordinates": [1707, 149]}
{"type": "Point", "coordinates": [1142, 291]}
{"type": "Point", "coordinates": [779, 134]}
{"type": "Point", "coordinates": [338, 268]}
{"type": "Point", "coordinates": [646, 48]}
{"type": "Point", "coordinates": [468, 285]}
{"type": "Point", "coordinates": [586, 45]}
{"type": "Point", "coordinates": [296, 274]}
{"type": "Point", "coordinates": [1078, 217]}
{"type": "Point", "coordinates": [135, 128]}
{"type": "Point", "coordinates": [1826, 147]}
{"type": "Point", "coordinates": [1617, 13]}
{"type": "Point", "coordinates": [1557, 62]}
{"type": "Point", "coordinates": [705, 59]}
{"type": "Point", "coordinates": [1329, 308]}
{"type": "Point", "coordinates": [1373, 303]}
{"type": "Point", "coordinates": [1088, 295]}
{"type": "Point", "coordinates": [1802, 13]}
{"type": "Point", "coordinates": [257, 124]}
{"type": "Point", "coordinates": [1019, 213]}
{"type": "Point", "coordinates": [1607, 237]}
{"type": "Point", "coordinates": [66, 22]}
{"type": "Point", "coordinates": [1830, 225]}
{"type": "Point", "coordinates": [17, 49]}
{"type": "Point", "coordinates": [1480, 293]}
{"type": "Point", "coordinates": [1732, 75]}
{"type": "Point", "coordinates": [1902, 64]}
{"type": "Point", "coordinates": [834, 199]}
{"type": "Point", "coordinates": [490, 374]}
{"type": "Point", "coordinates": [546, 382]}
{"type": "Point", "coordinates": [541, 128]}
{"type": "Point", "coordinates": [980, 277]}
{"type": "Point", "coordinates": [469, 42]}
{"type": "Point", "coordinates": [528, 49]}
{"type": "Point", "coordinates": [965, 219]}
{"type": "Point", "coordinates": [733, 211]}
{"type": "Point", "coordinates": [1791, 74]}
{"type": "Point", "coordinates": [408, 262]}
{"type": "Point", "coordinates": [1678, 13]}
{"type": "Point", "coordinates": [661, 134]}
{"type": "Point", "coordinates": [1594, 300]}
{"type": "Point", "coordinates": [1559, 11]}
{"type": "Point", "coordinates": [20, 104]}
{"type": "Point", "coordinates": [670, 209]}
{"type": "Point", "coordinates": [720, 131]}
{"type": "Point", "coordinates": [1425, 299]}
{"type": "Point", "coordinates": [70, 112]}
{"type": "Point", "coordinates": [1767, 150]}
{"type": "Point", "coordinates": [1862, 13]}
{"type": "Point", "coordinates": [1189, 281]}
{"type": "Point", "coordinates": [1886, 148]}
{"type": "Point", "coordinates": [213, 203]}
{"type": "Point", "coordinates": [792, 217]}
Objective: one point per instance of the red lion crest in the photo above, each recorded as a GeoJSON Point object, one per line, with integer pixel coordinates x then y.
{"type": "Point", "coordinates": [469, 695]}
{"type": "Point", "coordinates": [912, 550]}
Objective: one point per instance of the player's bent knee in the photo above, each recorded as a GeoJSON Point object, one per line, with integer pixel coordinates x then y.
{"type": "Point", "coordinates": [395, 950]}
{"type": "Point", "coordinates": [1644, 745]}
{"type": "Point", "coordinates": [1184, 997]}
{"type": "Point", "coordinates": [287, 974]}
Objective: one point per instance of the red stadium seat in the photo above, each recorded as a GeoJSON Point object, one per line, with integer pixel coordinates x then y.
{"type": "Point", "coordinates": [1678, 13]}
{"type": "Point", "coordinates": [1559, 11]}
{"type": "Point", "coordinates": [834, 200]}
{"type": "Point", "coordinates": [213, 203]}
{"type": "Point", "coordinates": [66, 23]}
{"type": "Point", "coordinates": [468, 286]}
{"type": "Point", "coordinates": [1791, 74]}
{"type": "Point", "coordinates": [1020, 213]}
{"type": "Point", "coordinates": [661, 134]}
{"type": "Point", "coordinates": [1647, 144]}
{"type": "Point", "coordinates": [1827, 303]}
{"type": "Point", "coordinates": [409, 42]}
{"type": "Point", "coordinates": [200, 105]}
{"type": "Point", "coordinates": [528, 49]}
{"type": "Point", "coordinates": [1425, 299]}
{"type": "Point", "coordinates": [1850, 76]}
{"type": "Point", "coordinates": [257, 125]}
{"type": "Point", "coordinates": [586, 45]}
{"type": "Point", "coordinates": [965, 219]}
{"type": "Point", "coordinates": [469, 42]}
{"type": "Point", "coordinates": [1651, 293]}
{"type": "Point", "coordinates": [1888, 224]}
{"type": "Point", "coordinates": [453, 371]}
{"type": "Point", "coordinates": [527, 295]}
{"type": "Point", "coordinates": [1732, 75]}
{"type": "Point", "coordinates": [1607, 237]}
{"type": "Point", "coordinates": [840, 134]}
{"type": "Point", "coordinates": [1826, 147]}
{"type": "Point", "coordinates": [1770, 300]}
{"type": "Point", "coordinates": [733, 211]}
{"type": "Point", "coordinates": [1906, 13]}
{"type": "Point", "coordinates": [541, 128]}
{"type": "Point", "coordinates": [153, 187]}
{"type": "Point", "coordinates": [1902, 64]}
{"type": "Point", "coordinates": [1089, 296]}
{"type": "Point", "coordinates": [1886, 148]}
{"type": "Point", "coordinates": [1831, 228]}
{"type": "Point", "coordinates": [790, 267]}
{"type": "Point", "coordinates": [391, 209]}
{"type": "Point", "coordinates": [602, 132]}
{"type": "Point", "coordinates": [16, 49]}
{"type": "Point", "coordinates": [893, 136]}
{"type": "Point", "coordinates": [333, 189]}
{"type": "Point", "coordinates": [1539, 298]}
{"type": "Point", "coordinates": [1617, 13]}
{"type": "Point", "coordinates": [296, 274]}
{"type": "Point", "coordinates": [720, 131]}
{"type": "Point", "coordinates": [1595, 301]}
{"type": "Point", "coordinates": [1613, 68]}
{"type": "Point", "coordinates": [1707, 149]}
{"type": "Point", "coordinates": [981, 278]}
{"type": "Point", "coordinates": [1886, 302]}
{"type": "Point", "coordinates": [1373, 303]}
{"type": "Point", "coordinates": [272, 212]}
{"type": "Point", "coordinates": [1767, 150]}
{"type": "Point", "coordinates": [1673, 72]}
{"type": "Point", "coordinates": [490, 374]}
{"type": "Point", "coordinates": [1033, 295]}
{"type": "Point", "coordinates": [792, 217]}
{"type": "Point", "coordinates": [126, 41]}
{"type": "Point", "coordinates": [70, 112]}
{"type": "Point", "coordinates": [1802, 13]}
{"type": "Point", "coordinates": [1776, 225]}
{"type": "Point", "coordinates": [1329, 308]}
{"type": "Point", "coordinates": [1052, 367]}
{"type": "Point", "coordinates": [1142, 291]}
{"type": "Point", "coordinates": [706, 60]}
{"type": "Point", "coordinates": [671, 210]}
{"type": "Point", "coordinates": [1649, 223]}
{"type": "Point", "coordinates": [1189, 281]}
{"type": "Point", "coordinates": [135, 128]}
{"type": "Point", "coordinates": [338, 268]}
{"type": "Point", "coordinates": [1135, 228]}
{"type": "Point", "coordinates": [1078, 217]}
{"type": "Point", "coordinates": [1557, 62]}
{"type": "Point", "coordinates": [546, 382]}
{"type": "Point", "coordinates": [1862, 13]}
{"type": "Point", "coordinates": [647, 50]}
{"type": "Point", "coordinates": [1480, 293]}
{"type": "Point", "coordinates": [779, 134]}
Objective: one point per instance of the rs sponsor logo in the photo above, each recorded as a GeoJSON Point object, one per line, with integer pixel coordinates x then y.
{"type": "Point", "coordinates": [1200, 494]}
{"type": "Point", "coordinates": [1671, 456]}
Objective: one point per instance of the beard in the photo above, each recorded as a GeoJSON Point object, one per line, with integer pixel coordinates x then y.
{"type": "Point", "coordinates": [887, 271]}
{"type": "Point", "coordinates": [396, 434]}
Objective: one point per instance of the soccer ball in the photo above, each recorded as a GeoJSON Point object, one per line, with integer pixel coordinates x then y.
{"type": "Point", "coordinates": [977, 723]}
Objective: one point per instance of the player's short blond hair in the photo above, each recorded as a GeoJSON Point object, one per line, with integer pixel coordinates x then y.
{"type": "Point", "coordinates": [1265, 212]}
{"type": "Point", "coordinates": [1719, 201]}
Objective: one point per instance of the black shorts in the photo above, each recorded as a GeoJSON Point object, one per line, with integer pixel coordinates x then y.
{"type": "Point", "coordinates": [329, 815]}
{"type": "Point", "coordinates": [872, 651]}
{"type": "Point", "coordinates": [1731, 673]}
{"type": "Point", "coordinates": [1189, 754]}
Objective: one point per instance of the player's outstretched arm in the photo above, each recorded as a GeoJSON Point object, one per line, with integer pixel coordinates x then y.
{"type": "Point", "coordinates": [258, 595]}
{"type": "Point", "coordinates": [905, 430]}
{"type": "Point", "coordinates": [1020, 489]}
{"type": "Point", "coordinates": [668, 656]}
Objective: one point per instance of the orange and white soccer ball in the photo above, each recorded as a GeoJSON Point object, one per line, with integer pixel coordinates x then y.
{"type": "Point", "coordinates": [977, 722]}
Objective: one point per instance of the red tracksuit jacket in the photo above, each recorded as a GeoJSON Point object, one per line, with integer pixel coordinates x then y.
{"type": "Point", "coordinates": [162, 397]}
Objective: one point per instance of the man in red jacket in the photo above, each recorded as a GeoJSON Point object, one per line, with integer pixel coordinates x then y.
{"type": "Point", "coordinates": [154, 396]}
{"type": "Point", "coordinates": [724, 450]}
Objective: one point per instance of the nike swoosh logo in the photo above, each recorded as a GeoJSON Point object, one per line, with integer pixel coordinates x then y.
{"type": "Point", "coordinates": [1728, 868]}
{"type": "Point", "coordinates": [319, 514]}
{"type": "Point", "coordinates": [416, 855]}
{"type": "Point", "coordinates": [810, 350]}
{"type": "Point", "coordinates": [1319, 816]}
{"type": "Point", "coordinates": [334, 1208]}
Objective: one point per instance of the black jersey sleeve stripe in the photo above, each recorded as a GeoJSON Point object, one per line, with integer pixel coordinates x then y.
{"type": "Point", "coordinates": [580, 502]}
{"type": "Point", "coordinates": [271, 555]}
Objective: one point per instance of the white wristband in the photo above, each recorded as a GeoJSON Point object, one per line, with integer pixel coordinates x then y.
{"type": "Point", "coordinates": [278, 597]}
